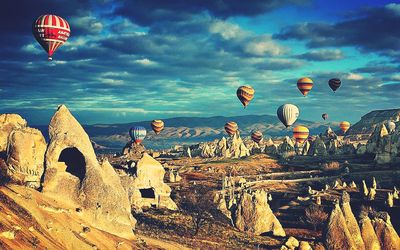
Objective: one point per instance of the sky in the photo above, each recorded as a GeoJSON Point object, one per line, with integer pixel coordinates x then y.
{"type": "Point", "coordinates": [132, 60]}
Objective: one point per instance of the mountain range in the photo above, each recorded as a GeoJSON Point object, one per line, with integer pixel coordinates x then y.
{"type": "Point", "coordinates": [188, 130]}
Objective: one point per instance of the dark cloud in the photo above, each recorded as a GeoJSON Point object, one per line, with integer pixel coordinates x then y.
{"type": "Point", "coordinates": [322, 55]}
{"type": "Point", "coordinates": [145, 12]}
{"type": "Point", "coordinates": [376, 30]}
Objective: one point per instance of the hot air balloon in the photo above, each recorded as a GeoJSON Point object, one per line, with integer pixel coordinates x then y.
{"type": "Point", "coordinates": [231, 128]}
{"type": "Point", "coordinates": [324, 116]}
{"type": "Point", "coordinates": [51, 32]}
{"type": "Point", "coordinates": [137, 133]}
{"type": "Point", "coordinates": [344, 126]}
{"type": "Point", "coordinates": [256, 136]}
{"type": "Point", "coordinates": [334, 83]}
{"type": "Point", "coordinates": [391, 126]}
{"type": "Point", "coordinates": [245, 94]}
{"type": "Point", "coordinates": [157, 126]}
{"type": "Point", "coordinates": [287, 114]}
{"type": "Point", "coordinates": [300, 133]}
{"type": "Point", "coordinates": [305, 84]}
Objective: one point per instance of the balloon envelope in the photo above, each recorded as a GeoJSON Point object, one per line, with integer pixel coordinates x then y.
{"type": "Point", "coordinates": [51, 32]}
{"type": "Point", "coordinates": [300, 133]}
{"type": "Point", "coordinates": [305, 84]}
{"type": "Point", "coordinates": [245, 94]}
{"type": "Point", "coordinates": [325, 116]}
{"type": "Point", "coordinates": [256, 136]}
{"type": "Point", "coordinates": [334, 83]}
{"type": "Point", "coordinates": [231, 128]}
{"type": "Point", "coordinates": [157, 126]}
{"type": "Point", "coordinates": [137, 133]}
{"type": "Point", "coordinates": [344, 126]}
{"type": "Point", "coordinates": [287, 114]}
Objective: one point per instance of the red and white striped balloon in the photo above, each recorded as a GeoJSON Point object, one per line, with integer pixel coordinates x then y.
{"type": "Point", "coordinates": [51, 32]}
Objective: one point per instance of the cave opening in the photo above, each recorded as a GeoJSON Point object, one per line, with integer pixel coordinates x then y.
{"type": "Point", "coordinates": [75, 162]}
{"type": "Point", "coordinates": [147, 193]}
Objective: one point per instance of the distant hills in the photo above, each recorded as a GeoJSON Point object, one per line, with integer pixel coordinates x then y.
{"type": "Point", "coordinates": [188, 130]}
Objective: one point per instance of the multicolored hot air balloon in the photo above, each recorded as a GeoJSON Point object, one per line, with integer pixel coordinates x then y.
{"type": "Point", "coordinates": [305, 84]}
{"type": "Point", "coordinates": [256, 136]}
{"type": "Point", "coordinates": [137, 133]}
{"type": "Point", "coordinates": [245, 94]}
{"type": "Point", "coordinates": [300, 133]}
{"type": "Point", "coordinates": [344, 126]}
{"type": "Point", "coordinates": [324, 116]}
{"type": "Point", "coordinates": [51, 32]}
{"type": "Point", "coordinates": [334, 83]}
{"type": "Point", "coordinates": [157, 126]}
{"type": "Point", "coordinates": [231, 128]}
{"type": "Point", "coordinates": [287, 114]}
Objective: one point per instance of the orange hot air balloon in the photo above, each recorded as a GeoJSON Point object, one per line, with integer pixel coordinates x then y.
{"type": "Point", "coordinates": [231, 128]}
{"type": "Point", "coordinates": [157, 126]}
{"type": "Point", "coordinates": [51, 32]}
{"type": "Point", "coordinates": [300, 133]}
{"type": "Point", "coordinates": [256, 136]}
{"type": "Point", "coordinates": [245, 94]}
{"type": "Point", "coordinates": [305, 84]}
{"type": "Point", "coordinates": [344, 126]}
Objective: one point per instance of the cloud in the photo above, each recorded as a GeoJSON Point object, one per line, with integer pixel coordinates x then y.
{"type": "Point", "coordinates": [322, 55]}
{"type": "Point", "coordinates": [226, 30]}
{"type": "Point", "coordinates": [354, 76]}
{"type": "Point", "coordinates": [146, 13]}
{"type": "Point", "coordinates": [85, 24]}
{"type": "Point", "coordinates": [263, 45]}
{"type": "Point", "coordinates": [145, 62]}
{"type": "Point", "coordinates": [375, 30]}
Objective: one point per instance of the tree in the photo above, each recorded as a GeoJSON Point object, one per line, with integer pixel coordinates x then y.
{"type": "Point", "coordinates": [198, 204]}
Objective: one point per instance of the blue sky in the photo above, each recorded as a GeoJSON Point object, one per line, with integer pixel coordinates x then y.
{"type": "Point", "coordinates": [141, 60]}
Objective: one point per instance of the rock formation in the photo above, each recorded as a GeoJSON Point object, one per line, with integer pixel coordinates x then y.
{"type": "Point", "coordinates": [9, 122]}
{"type": "Point", "coordinates": [270, 147]}
{"type": "Point", "coordinates": [26, 148]}
{"type": "Point", "coordinates": [133, 151]}
{"type": "Point", "coordinates": [73, 175]}
{"type": "Point", "coordinates": [317, 147]}
{"type": "Point", "coordinates": [351, 221]}
{"type": "Point", "coordinates": [387, 235]}
{"type": "Point", "coordinates": [254, 215]}
{"type": "Point", "coordinates": [368, 235]}
{"type": "Point", "coordinates": [286, 149]}
{"type": "Point", "coordinates": [338, 236]}
{"type": "Point", "coordinates": [233, 147]}
{"type": "Point", "coordinates": [146, 188]}
{"type": "Point", "coordinates": [385, 146]}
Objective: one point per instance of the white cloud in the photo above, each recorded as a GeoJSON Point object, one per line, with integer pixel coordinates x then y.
{"type": "Point", "coordinates": [32, 48]}
{"type": "Point", "coordinates": [87, 23]}
{"type": "Point", "coordinates": [113, 82]}
{"type": "Point", "coordinates": [263, 45]}
{"type": "Point", "coordinates": [145, 62]}
{"type": "Point", "coordinates": [394, 7]}
{"type": "Point", "coordinates": [353, 76]}
{"type": "Point", "coordinates": [226, 30]}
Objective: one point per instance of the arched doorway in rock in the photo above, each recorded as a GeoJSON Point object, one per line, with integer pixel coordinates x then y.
{"type": "Point", "coordinates": [75, 161]}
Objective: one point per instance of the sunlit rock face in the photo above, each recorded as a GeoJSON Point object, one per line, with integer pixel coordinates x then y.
{"type": "Point", "coordinates": [26, 148]}
{"type": "Point", "coordinates": [9, 122]}
{"type": "Point", "coordinates": [254, 215]}
{"type": "Point", "coordinates": [146, 187]}
{"type": "Point", "coordinates": [383, 145]}
{"type": "Point", "coordinates": [73, 175]}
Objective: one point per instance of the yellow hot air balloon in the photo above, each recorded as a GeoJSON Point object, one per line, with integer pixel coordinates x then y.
{"type": "Point", "coordinates": [305, 84]}
{"type": "Point", "coordinates": [300, 133]}
{"type": "Point", "coordinates": [231, 128]}
{"type": "Point", "coordinates": [245, 94]}
{"type": "Point", "coordinates": [157, 126]}
{"type": "Point", "coordinates": [344, 126]}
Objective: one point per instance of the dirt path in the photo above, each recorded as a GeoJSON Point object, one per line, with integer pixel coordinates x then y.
{"type": "Point", "coordinates": [162, 244]}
